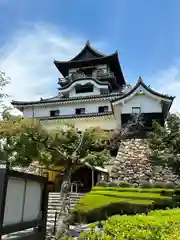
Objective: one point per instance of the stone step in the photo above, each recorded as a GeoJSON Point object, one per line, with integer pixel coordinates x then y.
{"type": "Point", "coordinates": [59, 199]}
{"type": "Point", "coordinates": [58, 206]}
{"type": "Point", "coordinates": [71, 195]}
{"type": "Point", "coordinates": [55, 204]}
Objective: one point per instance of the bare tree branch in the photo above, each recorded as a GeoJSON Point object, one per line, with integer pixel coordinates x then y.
{"type": "Point", "coordinates": [137, 120]}
{"type": "Point", "coordinates": [79, 145]}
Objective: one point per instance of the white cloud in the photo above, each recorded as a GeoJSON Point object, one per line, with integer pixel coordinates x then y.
{"type": "Point", "coordinates": [168, 82]}
{"type": "Point", "coordinates": [27, 59]}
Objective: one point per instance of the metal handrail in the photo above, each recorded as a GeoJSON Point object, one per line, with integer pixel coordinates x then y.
{"type": "Point", "coordinates": [55, 222]}
{"type": "Point", "coordinates": [74, 185]}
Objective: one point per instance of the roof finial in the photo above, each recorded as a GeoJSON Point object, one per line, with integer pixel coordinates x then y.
{"type": "Point", "coordinates": [140, 79]}
{"type": "Point", "coordinates": [88, 43]}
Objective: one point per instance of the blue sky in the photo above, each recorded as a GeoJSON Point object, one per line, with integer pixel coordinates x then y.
{"type": "Point", "coordinates": [33, 33]}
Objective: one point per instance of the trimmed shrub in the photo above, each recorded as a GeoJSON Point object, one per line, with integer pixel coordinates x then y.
{"type": "Point", "coordinates": [157, 225]}
{"type": "Point", "coordinates": [112, 184]}
{"type": "Point", "coordinates": [102, 202]}
{"type": "Point", "coordinates": [170, 185]}
{"type": "Point", "coordinates": [145, 184]}
{"type": "Point", "coordinates": [102, 184]}
{"type": "Point", "coordinates": [125, 184]}
{"type": "Point", "coordinates": [169, 192]}
{"type": "Point", "coordinates": [159, 185]}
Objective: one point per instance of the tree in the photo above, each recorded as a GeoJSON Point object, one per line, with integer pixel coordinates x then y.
{"type": "Point", "coordinates": [4, 81]}
{"type": "Point", "coordinates": [164, 143]}
{"type": "Point", "coordinates": [24, 140]}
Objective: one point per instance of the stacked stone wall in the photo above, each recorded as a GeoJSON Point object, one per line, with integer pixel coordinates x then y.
{"type": "Point", "coordinates": [132, 164]}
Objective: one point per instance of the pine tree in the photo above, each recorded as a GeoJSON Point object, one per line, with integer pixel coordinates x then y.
{"type": "Point", "coordinates": [164, 143]}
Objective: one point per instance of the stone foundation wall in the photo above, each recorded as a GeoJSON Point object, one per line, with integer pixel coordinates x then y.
{"type": "Point", "coordinates": [132, 164]}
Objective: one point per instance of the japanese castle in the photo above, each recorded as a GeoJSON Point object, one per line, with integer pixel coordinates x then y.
{"type": "Point", "coordinates": [93, 92]}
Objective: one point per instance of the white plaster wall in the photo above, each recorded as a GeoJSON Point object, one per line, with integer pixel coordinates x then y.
{"type": "Point", "coordinates": [82, 124]}
{"type": "Point", "coordinates": [28, 112]}
{"type": "Point", "coordinates": [66, 109]}
{"type": "Point", "coordinates": [146, 103]}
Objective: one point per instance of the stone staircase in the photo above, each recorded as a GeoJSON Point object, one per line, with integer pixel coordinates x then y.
{"type": "Point", "coordinates": [54, 205]}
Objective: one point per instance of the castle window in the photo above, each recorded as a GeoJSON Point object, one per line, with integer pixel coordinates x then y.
{"type": "Point", "coordinates": [80, 111]}
{"type": "Point", "coordinates": [136, 110]}
{"type": "Point", "coordinates": [54, 113]}
{"type": "Point", "coordinates": [103, 109]}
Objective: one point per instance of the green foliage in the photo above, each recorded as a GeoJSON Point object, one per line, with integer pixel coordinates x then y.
{"type": "Point", "coordinates": [25, 140]}
{"type": "Point", "coordinates": [102, 202]}
{"type": "Point", "coordinates": [4, 80]}
{"type": "Point", "coordinates": [16, 146]}
{"type": "Point", "coordinates": [157, 225]}
{"type": "Point", "coordinates": [164, 143]}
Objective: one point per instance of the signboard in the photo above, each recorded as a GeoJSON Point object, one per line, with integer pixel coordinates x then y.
{"type": "Point", "coordinates": [23, 202]}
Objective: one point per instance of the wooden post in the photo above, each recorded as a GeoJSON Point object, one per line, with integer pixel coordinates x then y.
{"type": "Point", "coordinates": [92, 177]}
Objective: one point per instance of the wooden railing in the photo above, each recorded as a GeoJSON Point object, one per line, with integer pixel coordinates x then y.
{"type": "Point", "coordinates": [97, 76]}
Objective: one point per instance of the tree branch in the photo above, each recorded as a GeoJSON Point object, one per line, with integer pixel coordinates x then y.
{"type": "Point", "coordinates": [79, 145]}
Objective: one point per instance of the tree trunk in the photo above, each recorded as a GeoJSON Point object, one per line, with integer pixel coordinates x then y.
{"type": "Point", "coordinates": [62, 225]}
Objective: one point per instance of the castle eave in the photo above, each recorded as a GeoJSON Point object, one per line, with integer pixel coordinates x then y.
{"type": "Point", "coordinates": [79, 116]}
{"type": "Point", "coordinates": [56, 100]}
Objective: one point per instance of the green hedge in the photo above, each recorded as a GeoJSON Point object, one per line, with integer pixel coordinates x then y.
{"type": "Point", "coordinates": [147, 190]}
{"type": "Point", "coordinates": [157, 225]}
{"type": "Point", "coordinates": [103, 202]}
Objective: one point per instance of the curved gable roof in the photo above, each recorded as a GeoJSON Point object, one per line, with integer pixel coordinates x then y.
{"type": "Point", "coordinates": [88, 52]}
{"type": "Point", "coordinates": [147, 88]}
